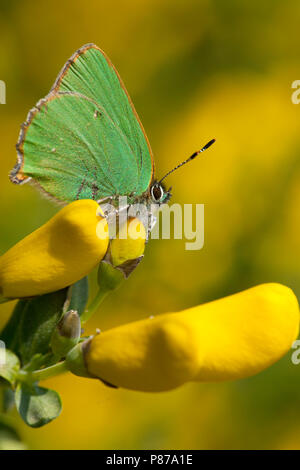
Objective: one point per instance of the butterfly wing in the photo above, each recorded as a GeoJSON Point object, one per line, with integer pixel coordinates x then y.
{"type": "Point", "coordinates": [85, 140]}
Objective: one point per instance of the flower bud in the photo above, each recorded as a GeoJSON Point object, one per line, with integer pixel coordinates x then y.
{"type": "Point", "coordinates": [66, 334]}
{"type": "Point", "coordinates": [57, 254]}
{"type": "Point", "coordinates": [231, 338]}
{"type": "Point", "coordinates": [129, 244]}
{"type": "Point", "coordinates": [75, 360]}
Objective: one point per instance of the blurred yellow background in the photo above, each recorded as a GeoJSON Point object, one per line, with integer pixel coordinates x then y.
{"type": "Point", "coordinates": [195, 69]}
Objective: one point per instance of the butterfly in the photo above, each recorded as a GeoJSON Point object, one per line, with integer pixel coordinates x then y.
{"type": "Point", "coordinates": [84, 140]}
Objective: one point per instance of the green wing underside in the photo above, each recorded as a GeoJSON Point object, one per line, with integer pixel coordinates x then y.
{"type": "Point", "coordinates": [84, 140]}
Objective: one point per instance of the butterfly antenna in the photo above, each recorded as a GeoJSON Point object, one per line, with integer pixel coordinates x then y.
{"type": "Point", "coordinates": [189, 159]}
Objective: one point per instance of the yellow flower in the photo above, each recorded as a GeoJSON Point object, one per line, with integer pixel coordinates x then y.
{"type": "Point", "coordinates": [231, 338]}
{"type": "Point", "coordinates": [130, 242]}
{"type": "Point", "coordinates": [57, 254]}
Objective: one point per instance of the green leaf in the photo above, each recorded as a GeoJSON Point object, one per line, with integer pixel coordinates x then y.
{"type": "Point", "coordinates": [8, 399]}
{"type": "Point", "coordinates": [10, 333]}
{"type": "Point", "coordinates": [79, 296]}
{"type": "Point", "coordinates": [30, 328]}
{"type": "Point", "coordinates": [9, 438]}
{"type": "Point", "coordinates": [37, 405]}
{"type": "Point", "coordinates": [9, 369]}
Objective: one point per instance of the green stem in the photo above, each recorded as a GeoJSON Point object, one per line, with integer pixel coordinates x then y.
{"type": "Point", "coordinates": [43, 374]}
{"type": "Point", "coordinates": [109, 279]}
{"type": "Point", "coordinates": [95, 304]}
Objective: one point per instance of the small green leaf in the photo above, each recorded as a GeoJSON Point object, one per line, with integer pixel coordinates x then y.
{"type": "Point", "coordinates": [79, 296]}
{"type": "Point", "coordinates": [8, 399]}
{"type": "Point", "coordinates": [29, 330]}
{"type": "Point", "coordinates": [37, 405]}
{"type": "Point", "coordinates": [10, 366]}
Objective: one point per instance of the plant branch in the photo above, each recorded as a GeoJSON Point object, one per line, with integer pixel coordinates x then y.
{"type": "Point", "coordinates": [43, 374]}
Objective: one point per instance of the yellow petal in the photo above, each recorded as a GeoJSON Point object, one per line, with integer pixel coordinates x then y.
{"type": "Point", "coordinates": [57, 254]}
{"type": "Point", "coordinates": [231, 338]}
{"type": "Point", "coordinates": [130, 242]}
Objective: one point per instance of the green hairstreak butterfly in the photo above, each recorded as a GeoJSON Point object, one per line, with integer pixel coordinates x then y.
{"type": "Point", "coordinates": [85, 140]}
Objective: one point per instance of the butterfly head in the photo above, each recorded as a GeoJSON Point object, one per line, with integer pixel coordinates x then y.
{"type": "Point", "coordinates": [159, 193]}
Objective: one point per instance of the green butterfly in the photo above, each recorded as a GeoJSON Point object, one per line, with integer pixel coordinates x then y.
{"type": "Point", "coordinates": [84, 140]}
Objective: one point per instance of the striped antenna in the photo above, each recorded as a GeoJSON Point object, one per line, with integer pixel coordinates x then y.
{"type": "Point", "coordinates": [189, 159]}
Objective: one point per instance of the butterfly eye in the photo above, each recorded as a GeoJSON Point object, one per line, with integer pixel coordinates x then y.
{"type": "Point", "coordinates": [157, 192]}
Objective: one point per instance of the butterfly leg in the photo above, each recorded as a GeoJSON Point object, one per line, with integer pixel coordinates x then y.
{"type": "Point", "coordinates": [107, 199]}
{"type": "Point", "coordinates": [95, 189]}
{"type": "Point", "coordinates": [80, 188]}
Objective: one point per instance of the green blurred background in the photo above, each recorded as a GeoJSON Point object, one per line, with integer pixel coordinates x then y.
{"type": "Point", "coordinates": [195, 69]}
